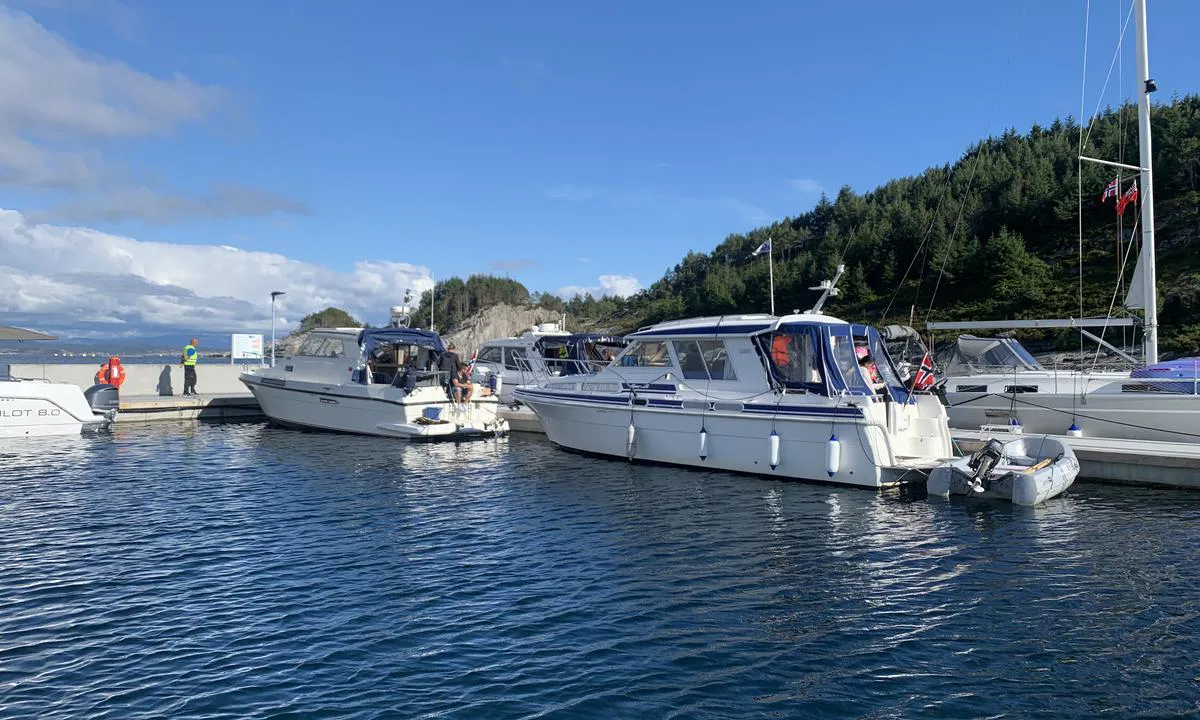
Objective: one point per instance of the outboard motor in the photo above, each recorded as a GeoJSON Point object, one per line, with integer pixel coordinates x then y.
{"type": "Point", "coordinates": [982, 462]}
{"type": "Point", "coordinates": [103, 399]}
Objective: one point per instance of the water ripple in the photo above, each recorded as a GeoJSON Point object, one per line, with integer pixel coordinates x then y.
{"type": "Point", "coordinates": [241, 571]}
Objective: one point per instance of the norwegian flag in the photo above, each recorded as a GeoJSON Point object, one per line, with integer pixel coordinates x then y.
{"type": "Point", "coordinates": [924, 378]}
{"type": "Point", "coordinates": [1111, 189]}
{"type": "Point", "coordinates": [1130, 196]}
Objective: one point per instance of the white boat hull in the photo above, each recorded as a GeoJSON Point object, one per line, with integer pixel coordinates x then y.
{"type": "Point", "coordinates": [734, 442]}
{"type": "Point", "coordinates": [37, 409]}
{"type": "Point", "coordinates": [377, 410]}
{"type": "Point", "coordinates": [1161, 417]}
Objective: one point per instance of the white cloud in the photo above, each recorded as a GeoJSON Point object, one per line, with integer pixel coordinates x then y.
{"type": "Point", "coordinates": [72, 278]}
{"type": "Point", "coordinates": [50, 87]}
{"type": "Point", "coordinates": [58, 100]}
{"type": "Point", "coordinates": [161, 208]}
{"type": "Point", "coordinates": [23, 163]}
{"type": "Point", "coordinates": [608, 285]}
{"type": "Point", "coordinates": [807, 186]}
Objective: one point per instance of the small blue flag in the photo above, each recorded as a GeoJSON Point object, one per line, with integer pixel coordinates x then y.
{"type": "Point", "coordinates": [765, 247]}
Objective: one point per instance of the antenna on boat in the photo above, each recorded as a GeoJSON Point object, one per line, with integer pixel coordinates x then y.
{"type": "Point", "coordinates": [401, 316]}
{"type": "Point", "coordinates": [830, 290]}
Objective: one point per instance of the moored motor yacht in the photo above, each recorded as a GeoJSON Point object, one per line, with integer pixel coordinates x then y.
{"type": "Point", "coordinates": [550, 356]}
{"type": "Point", "coordinates": [801, 396]}
{"type": "Point", "coordinates": [36, 406]}
{"type": "Point", "coordinates": [508, 360]}
{"type": "Point", "coordinates": [378, 381]}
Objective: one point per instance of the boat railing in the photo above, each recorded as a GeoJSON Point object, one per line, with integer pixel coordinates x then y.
{"type": "Point", "coordinates": [539, 370]}
{"type": "Point", "coordinates": [967, 370]}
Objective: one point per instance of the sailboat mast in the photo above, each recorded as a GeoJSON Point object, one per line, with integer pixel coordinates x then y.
{"type": "Point", "coordinates": [1146, 189]}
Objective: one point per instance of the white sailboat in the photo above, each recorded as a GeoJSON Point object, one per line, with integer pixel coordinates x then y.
{"type": "Point", "coordinates": [37, 407]}
{"type": "Point", "coordinates": [998, 382]}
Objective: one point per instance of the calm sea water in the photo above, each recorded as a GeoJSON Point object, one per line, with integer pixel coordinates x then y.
{"type": "Point", "coordinates": [241, 571]}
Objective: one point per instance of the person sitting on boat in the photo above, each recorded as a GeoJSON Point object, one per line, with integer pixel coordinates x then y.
{"type": "Point", "coordinates": [781, 353]}
{"type": "Point", "coordinates": [461, 386]}
{"type": "Point", "coordinates": [868, 366]}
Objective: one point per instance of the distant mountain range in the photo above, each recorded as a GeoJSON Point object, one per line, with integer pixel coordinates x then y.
{"type": "Point", "coordinates": [172, 343]}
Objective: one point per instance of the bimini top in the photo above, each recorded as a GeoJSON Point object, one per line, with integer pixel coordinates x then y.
{"type": "Point", "coordinates": [16, 333]}
{"type": "Point", "coordinates": [582, 352]}
{"type": "Point", "coordinates": [732, 325]}
{"type": "Point", "coordinates": [373, 338]}
{"type": "Point", "coordinates": [970, 355]}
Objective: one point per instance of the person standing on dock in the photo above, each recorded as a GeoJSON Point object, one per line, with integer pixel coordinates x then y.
{"type": "Point", "coordinates": [188, 360]}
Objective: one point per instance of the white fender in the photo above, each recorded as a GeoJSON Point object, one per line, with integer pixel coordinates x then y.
{"type": "Point", "coordinates": [630, 440]}
{"type": "Point", "coordinates": [703, 443]}
{"type": "Point", "coordinates": [773, 444]}
{"type": "Point", "coordinates": [833, 455]}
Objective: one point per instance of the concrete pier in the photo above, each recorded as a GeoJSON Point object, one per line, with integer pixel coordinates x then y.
{"type": "Point", "coordinates": [151, 391]}
{"type": "Point", "coordinates": [143, 379]}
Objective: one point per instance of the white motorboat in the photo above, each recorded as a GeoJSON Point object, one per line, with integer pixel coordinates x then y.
{"type": "Point", "coordinates": [1157, 402]}
{"type": "Point", "coordinates": [379, 381]}
{"type": "Point", "coordinates": [36, 406]}
{"type": "Point", "coordinates": [549, 356]}
{"type": "Point", "coordinates": [782, 396]}
{"type": "Point", "coordinates": [510, 360]}
{"type": "Point", "coordinates": [1025, 471]}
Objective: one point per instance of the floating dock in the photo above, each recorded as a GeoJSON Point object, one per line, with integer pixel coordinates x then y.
{"type": "Point", "coordinates": [1134, 462]}
{"type": "Point", "coordinates": [215, 408]}
{"type": "Point", "coordinates": [522, 420]}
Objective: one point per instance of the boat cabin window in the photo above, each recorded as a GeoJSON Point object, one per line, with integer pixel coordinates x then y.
{"type": "Point", "coordinates": [490, 355]}
{"type": "Point", "coordinates": [703, 360]}
{"type": "Point", "coordinates": [514, 359]}
{"type": "Point", "coordinates": [650, 353]}
{"type": "Point", "coordinates": [318, 346]}
{"type": "Point", "coordinates": [796, 360]}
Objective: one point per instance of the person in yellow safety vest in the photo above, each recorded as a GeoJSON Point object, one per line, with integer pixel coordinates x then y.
{"type": "Point", "coordinates": [188, 360]}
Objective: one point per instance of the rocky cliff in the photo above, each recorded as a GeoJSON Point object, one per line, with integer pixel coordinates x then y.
{"type": "Point", "coordinates": [496, 322]}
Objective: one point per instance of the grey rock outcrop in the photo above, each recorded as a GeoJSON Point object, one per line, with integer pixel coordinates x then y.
{"type": "Point", "coordinates": [496, 322]}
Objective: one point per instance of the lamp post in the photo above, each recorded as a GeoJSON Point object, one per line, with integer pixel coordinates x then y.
{"type": "Point", "coordinates": [274, 294]}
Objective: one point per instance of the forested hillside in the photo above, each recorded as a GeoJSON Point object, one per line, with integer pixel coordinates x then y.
{"type": "Point", "coordinates": [996, 234]}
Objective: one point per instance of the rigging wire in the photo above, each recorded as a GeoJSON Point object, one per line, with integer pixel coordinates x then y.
{"type": "Point", "coordinates": [937, 210]}
{"type": "Point", "coordinates": [954, 231]}
{"type": "Point", "coordinates": [1121, 263]}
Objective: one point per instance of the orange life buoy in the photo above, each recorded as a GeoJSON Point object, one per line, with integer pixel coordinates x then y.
{"type": "Point", "coordinates": [116, 373]}
{"type": "Point", "coordinates": [102, 374]}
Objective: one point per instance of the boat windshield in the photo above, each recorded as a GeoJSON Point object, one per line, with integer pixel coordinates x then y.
{"type": "Point", "coordinates": [970, 355]}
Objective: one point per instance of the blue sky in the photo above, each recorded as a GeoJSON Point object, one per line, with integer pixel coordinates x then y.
{"type": "Point", "coordinates": [557, 142]}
